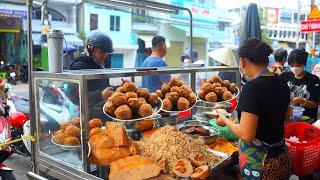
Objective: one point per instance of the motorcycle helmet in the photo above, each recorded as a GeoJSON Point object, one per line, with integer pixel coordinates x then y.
{"type": "Point", "coordinates": [17, 119]}
{"type": "Point", "coordinates": [101, 40]}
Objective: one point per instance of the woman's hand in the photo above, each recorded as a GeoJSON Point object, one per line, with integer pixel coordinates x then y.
{"type": "Point", "coordinates": [221, 120]}
{"type": "Point", "coordinates": [297, 101]}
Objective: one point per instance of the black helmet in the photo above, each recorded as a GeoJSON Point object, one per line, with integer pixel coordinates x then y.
{"type": "Point", "coordinates": [100, 40]}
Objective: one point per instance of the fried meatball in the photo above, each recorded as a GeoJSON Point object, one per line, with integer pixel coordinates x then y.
{"type": "Point", "coordinates": [76, 122]}
{"type": "Point", "coordinates": [217, 85]}
{"type": "Point", "coordinates": [224, 89]}
{"type": "Point", "coordinates": [120, 89]}
{"type": "Point", "coordinates": [233, 88]}
{"type": "Point", "coordinates": [93, 123]}
{"type": "Point", "coordinates": [118, 99]}
{"type": "Point", "coordinates": [123, 112]}
{"type": "Point", "coordinates": [72, 131]}
{"type": "Point", "coordinates": [71, 141]}
{"type": "Point", "coordinates": [59, 137]}
{"type": "Point", "coordinates": [173, 96]}
{"type": "Point", "coordinates": [109, 108]}
{"type": "Point", "coordinates": [106, 93]}
{"type": "Point", "coordinates": [167, 105]}
{"type": "Point", "coordinates": [59, 132]}
{"type": "Point", "coordinates": [225, 83]}
{"type": "Point", "coordinates": [153, 99]}
{"type": "Point", "coordinates": [202, 94]}
{"type": "Point", "coordinates": [182, 104]}
{"type": "Point", "coordinates": [227, 95]}
{"type": "Point", "coordinates": [218, 91]}
{"type": "Point", "coordinates": [215, 79]}
{"type": "Point", "coordinates": [134, 104]}
{"type": "Point", "coordinates": [207, 87]}
{"type": "Point", "coordinates": [131, 95]}
{"type": "Point", "coordinates": [165, 88]}
{"type": "Point", "coordinates": [211, 97]}
{"type": "Point", "coordinates": [174, 89]}
{"type": "Point", "coordinates": [174, 82]}
{"type": "Point", "coordinates": [192, 98]}
{"type": "Point", "coordinates": [64, 125]}
{"type": "Point", "coordinates": [94, 131]}
{"type": "Point", "coordinates": [159, 92]}
{"type": "Point", "coordinates": [129, 87]}
{"type": "Point", "coordinates": [142, 100]}
{"type": "Point", "coordinates": [184, 91]}
{"type": "Point", "coordinates": [143, 92]}
{"type": "Point", "coordinates": [145, 110]}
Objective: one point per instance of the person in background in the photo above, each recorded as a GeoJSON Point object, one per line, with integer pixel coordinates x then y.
{"type": "Point", "coordinates": [299, 78]}
{"type": "Point", "coordinates": [262, 153]}
{"type": "Point", "coordinates": [186, 57]}
{"type": "Point", "coordinates": [201, 77]}
{"type": "Point", "coordinates": [155, 60]}
{"type": "Point", "coordinates": [316, 70]}
{"type": "Point", "coordinates": [99, 47]}
{"type": "Point", "coordinates": [280, 57]}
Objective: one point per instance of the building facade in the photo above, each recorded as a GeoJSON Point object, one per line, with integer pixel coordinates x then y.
{"type": "Point", "coordinates": [116, 22]}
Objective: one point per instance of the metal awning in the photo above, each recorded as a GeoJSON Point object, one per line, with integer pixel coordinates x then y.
{"type": "Point", "coordinates": [71, 40]}
{"type": "Point", "coordinates": [199, 32]}
{"type": "Point", "coordinates": [203, 32]}
{"type": "Point", "coordinates": [148, 40]}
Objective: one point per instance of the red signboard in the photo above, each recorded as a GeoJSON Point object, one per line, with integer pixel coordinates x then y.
{"type": "Point", "coordinates": [310, 26]}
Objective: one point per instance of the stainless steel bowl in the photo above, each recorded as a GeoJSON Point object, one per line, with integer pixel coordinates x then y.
{"type": "Point", "coordinates": [207, 139]}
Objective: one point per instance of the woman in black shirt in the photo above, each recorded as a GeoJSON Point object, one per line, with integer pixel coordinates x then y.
{"type": "Point", "coordinates": [263, 104]}
{"type": "Point", "coordinates": [304, 87]}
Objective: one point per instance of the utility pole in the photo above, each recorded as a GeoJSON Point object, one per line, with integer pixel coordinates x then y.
{"type": "Point", "coordinates": [314, 33]}
{"type": "Point", "coordinates": [298, 26]}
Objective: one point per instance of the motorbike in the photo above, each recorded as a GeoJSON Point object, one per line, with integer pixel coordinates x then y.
{"type": "Point", "coordinates": [54, 109]}
{"type": "Point", "coordinates": [12, 78]}
{"type": "Point", "coordinates": [5, 151]}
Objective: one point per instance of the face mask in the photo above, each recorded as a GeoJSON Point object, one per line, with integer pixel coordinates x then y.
{"type": "Point", "coordinates": [297, 70]}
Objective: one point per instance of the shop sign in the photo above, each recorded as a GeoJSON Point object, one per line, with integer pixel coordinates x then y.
{"type": "Point", "coordinates": [272, 15]}
{"type": "Point", "coordinates": [200, 10]}
{"type": "Point", "coordinates": [285, 16]}
{"type": "Point", "coordinates": [14, 13]}
{"type": "Point", "coordinates": [315, 13]}
{"type": "Point", "coordinates": [310, 26]}
{"type": "Point", "coordinates": [10, 22]}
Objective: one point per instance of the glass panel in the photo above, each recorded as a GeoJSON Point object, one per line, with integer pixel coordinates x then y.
{"type": "Point", "coordinates": [58, 104]}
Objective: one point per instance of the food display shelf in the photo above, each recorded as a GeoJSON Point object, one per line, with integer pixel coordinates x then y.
{"type": "Point", "coordinates": [52, 159]}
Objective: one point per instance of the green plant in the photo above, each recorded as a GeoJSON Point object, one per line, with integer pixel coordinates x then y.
{"type": "Point", "coordinates": [83, 36]}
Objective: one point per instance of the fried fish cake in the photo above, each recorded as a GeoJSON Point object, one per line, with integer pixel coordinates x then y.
{"type": "Point", "coordinates": [93, 123]}
{"type": "Point", "coordinates": [72, 131]}
{"type": "Point", "coordinates": [153, 99]}
{"type": "Point", "coordinates": [183, 104]}
{"type": "Point", "coordinates": [71, 141]}
{"type": "Point", "coordinates": [129, 87]}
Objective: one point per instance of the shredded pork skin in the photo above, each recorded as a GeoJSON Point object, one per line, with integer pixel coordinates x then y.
{"type": "Point", "coordinates": [169, 144]}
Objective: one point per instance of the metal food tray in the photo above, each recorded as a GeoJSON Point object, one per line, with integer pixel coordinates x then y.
{"type": "Point", "coordinates": [65, 147]}
{"type": "Point", "coordinates": [206, 103]}
{"type": "Point", "coordinates": [177, 112]}
{"type": "Point", "coordinates": [156, 109]}
{"type": "Point", "coordinates": [221, 156]}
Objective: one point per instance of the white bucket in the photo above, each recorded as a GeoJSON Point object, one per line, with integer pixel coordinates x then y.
{"type": "Point", "coordinates": [55, 51]}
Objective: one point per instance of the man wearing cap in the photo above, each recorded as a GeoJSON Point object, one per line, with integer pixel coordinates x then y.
{"type": "Point", "coordinates": [99, 47]}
